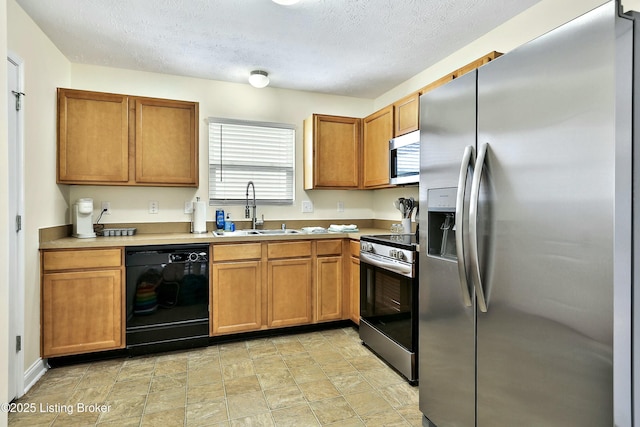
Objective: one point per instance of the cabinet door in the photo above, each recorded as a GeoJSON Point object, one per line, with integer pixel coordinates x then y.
{"type": "Point", "coordinates": [236, 297]}
{"type": "Point", "coordinates": [93, 137]}
{"type": "Point", "coordinates": [354, 284]}
{"type": "Point", "coordinates": [407, 114]}
{"type": "Point", "coordinates": [332, 157]}
{"type": "Point", "coordinates": [82, 312]}
{"type": "Point", "coordinates": [289, 292]}
{"type": "Point", "coordinates": [166, 142]}
{"type": "Point", "coordinates": [329, 288]}
{"type": "Point", "coordinates": [377, 131]}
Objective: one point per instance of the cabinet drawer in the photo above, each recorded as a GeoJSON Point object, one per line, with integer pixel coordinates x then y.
{"type": "Point", "coordinates": [329, 247]}
{"type": "Point", "coordinates": [289, 250]}
{"type": "Point", "coordinates": [81, 259]}
{"type": "Point", "coordinates": [239, 251]}
{"type": "Point", "coordinates": [354, 248]}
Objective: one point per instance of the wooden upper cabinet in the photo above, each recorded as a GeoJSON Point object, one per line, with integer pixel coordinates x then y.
{"type": "Point", "coordinates": [93, 137]}
{"type": "Point", "coordinates": [113, 139]}
{"type": "Point", "coordinates": [166, 142]}
{"type": "Point", "coordinates": [407, 114]}
{"type": "Point", "coordinates": [331, 152]}
{"type": "Point", "coordinates": [377, 130]}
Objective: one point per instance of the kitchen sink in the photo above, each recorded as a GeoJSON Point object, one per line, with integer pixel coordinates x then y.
{"type": "Point", "coordinates": [251, 232]}
{"type": "Point", "coordinates": [279, 231]}
{"type": "Point", "coordinates": [235, 233]}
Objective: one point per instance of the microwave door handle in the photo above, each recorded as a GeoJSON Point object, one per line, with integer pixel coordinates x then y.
{"type": "Point", "coordinates": [473, 228]}
{"type": "Point", "coordinates": [393, 166]}
{"type": "Point", "coordinates": [467, 160]}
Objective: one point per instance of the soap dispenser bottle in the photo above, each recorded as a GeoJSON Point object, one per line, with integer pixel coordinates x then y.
{"type": "Point", "coordinates": [228, 225]}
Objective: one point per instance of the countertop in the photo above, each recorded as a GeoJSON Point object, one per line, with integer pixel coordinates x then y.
{"type": "Point", "coordinates": [144, 239]}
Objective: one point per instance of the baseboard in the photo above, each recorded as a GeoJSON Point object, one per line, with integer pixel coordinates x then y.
{"type": "Point", "coordinates": [34, 373]}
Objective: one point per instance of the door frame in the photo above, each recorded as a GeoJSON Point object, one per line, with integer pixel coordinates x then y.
{"type": "Point", "coordinates": [16, 240]}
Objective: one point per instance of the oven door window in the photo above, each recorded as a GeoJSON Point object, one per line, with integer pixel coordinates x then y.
{"type": "Point", "coordinates": [387, 302]}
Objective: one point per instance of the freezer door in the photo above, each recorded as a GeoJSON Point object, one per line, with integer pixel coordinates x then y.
{"type": "Point", "coordinates": [545, 343]}
{"type": "Point", "coordinates": [446, 320]}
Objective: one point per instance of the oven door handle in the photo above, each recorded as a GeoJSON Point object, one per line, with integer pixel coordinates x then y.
{"type": "Point", "coordinates": [405, 270]}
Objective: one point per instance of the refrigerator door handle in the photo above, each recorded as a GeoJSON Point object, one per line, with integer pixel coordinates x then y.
{"type": "Point", "coordinates": [467, 160]}
{"type": "Point", "coordinates": [473, 227]}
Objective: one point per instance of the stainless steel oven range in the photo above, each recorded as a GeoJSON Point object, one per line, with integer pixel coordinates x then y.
{"type": "Point", "coordinates": [389, 300]}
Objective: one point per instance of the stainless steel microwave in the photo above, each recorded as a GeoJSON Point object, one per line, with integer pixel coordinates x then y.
{"type": "Point", "coordinates": [404, 159]}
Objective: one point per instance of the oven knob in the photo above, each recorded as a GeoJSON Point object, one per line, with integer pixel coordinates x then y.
{"type": "Point", "coordinates": [400, 255]}
{"type": "Point", "coordinates": [366, 247]}
{"type": "Point", "coordinates": [393, 253]}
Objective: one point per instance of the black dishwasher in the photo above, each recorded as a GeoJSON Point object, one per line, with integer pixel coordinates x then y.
{"type": "Point", "coordinates": [167, 297]}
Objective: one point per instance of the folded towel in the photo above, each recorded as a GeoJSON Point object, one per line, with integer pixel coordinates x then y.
{"type": "Point", "coordinates": [314, 229]}
{"type": "Point", "coordinates": [343, 228]}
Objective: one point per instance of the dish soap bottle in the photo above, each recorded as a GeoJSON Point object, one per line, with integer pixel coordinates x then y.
{"type": "Point", "coordinates": [220, 219]}
{"type": "Point", "coordinates": [228, 225]}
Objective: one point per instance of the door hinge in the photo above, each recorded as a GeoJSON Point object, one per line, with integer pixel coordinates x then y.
{"type": "Point", "coordinates": [18, 96]}
{"type": "Point", "coordinates": [18, 343]}
{"type": "Point", "coordinates": [18, 223]}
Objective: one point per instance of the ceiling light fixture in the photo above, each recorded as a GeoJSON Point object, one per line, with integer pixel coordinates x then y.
{"type": "Point", "coordinates": [286, 2]}
{"type": "Point", "coordinates": [259, 78]}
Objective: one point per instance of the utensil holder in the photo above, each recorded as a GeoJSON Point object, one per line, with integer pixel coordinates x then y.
{"type": "Point", "coordinates": [406, 224]}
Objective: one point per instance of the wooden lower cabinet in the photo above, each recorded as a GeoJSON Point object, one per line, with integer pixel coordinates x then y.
{"type": "Point", "coordinates": [82, 307]}
{"type": "Point", "coordinates": [236, 288]}
{"type": "Point", "coordinates": [236, 297]}
{"type": "Point", "coordinates": [329, 273]}
{"type": "Point", "coordinates": [329, 277]}
{"type": "Point", "coordinates": [289, 292]}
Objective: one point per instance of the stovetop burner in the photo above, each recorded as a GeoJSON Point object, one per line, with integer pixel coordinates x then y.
{"type": "Point", "coordinates": [404, 241]}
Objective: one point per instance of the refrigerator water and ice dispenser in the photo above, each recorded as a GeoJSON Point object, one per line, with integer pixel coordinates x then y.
{"type": "Point", "coordinates": [441, 236]}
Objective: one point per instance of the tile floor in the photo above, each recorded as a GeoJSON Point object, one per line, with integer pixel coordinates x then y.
{"type": "Point", "coordinates": [310, 379]}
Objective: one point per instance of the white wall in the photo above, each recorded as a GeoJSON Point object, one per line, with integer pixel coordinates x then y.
{"type": "Point", "coordinates": [220, 99]}
{"type": "Point", "coordinates": [4, 217]}
{"type": "Point", "coordinates": [45, 68]}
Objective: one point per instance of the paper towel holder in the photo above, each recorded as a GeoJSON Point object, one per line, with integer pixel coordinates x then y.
{"type": "Point", "coordinates": [199, 217]}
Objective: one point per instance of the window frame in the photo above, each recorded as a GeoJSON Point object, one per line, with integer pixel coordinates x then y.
{"type": "Point", "coordinates": [212, 165]}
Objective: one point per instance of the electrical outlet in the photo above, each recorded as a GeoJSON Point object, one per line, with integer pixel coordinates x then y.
{"type": "Point", "coordinates": [340, 206]}
{"type": "Point", "coordinates": [154, 206]}
{"type": "Point", "coordinates": [106, 208]}
{"type": "Point", "coordinates": [188, 207]}
{"type": "Point", "coordinates": [307, 206]}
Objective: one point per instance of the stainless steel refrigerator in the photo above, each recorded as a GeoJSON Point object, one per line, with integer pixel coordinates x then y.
{"type": "Point", "coordinates": [526, 246]}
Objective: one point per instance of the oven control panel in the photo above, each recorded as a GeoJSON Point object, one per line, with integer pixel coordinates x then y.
{"type": "Point", "coordinates": [399, 254]}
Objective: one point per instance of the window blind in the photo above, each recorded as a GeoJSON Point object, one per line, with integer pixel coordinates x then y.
{"type": "Point", "coordinates": [243, 151]}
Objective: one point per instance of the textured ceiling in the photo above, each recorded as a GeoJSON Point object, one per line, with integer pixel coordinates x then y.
{"type": "Point", "coordinates": [359, 48]}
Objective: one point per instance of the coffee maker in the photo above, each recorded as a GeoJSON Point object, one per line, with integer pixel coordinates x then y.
{"type": "Point", "coordinates": [81, 217]}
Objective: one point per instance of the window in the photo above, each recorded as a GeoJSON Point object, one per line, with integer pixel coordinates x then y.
{"type": "Point", "coordinates": [243, 151]}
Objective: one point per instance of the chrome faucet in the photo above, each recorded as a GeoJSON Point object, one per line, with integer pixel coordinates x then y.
{"type": "Point", "coordinates": [254, 221]}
